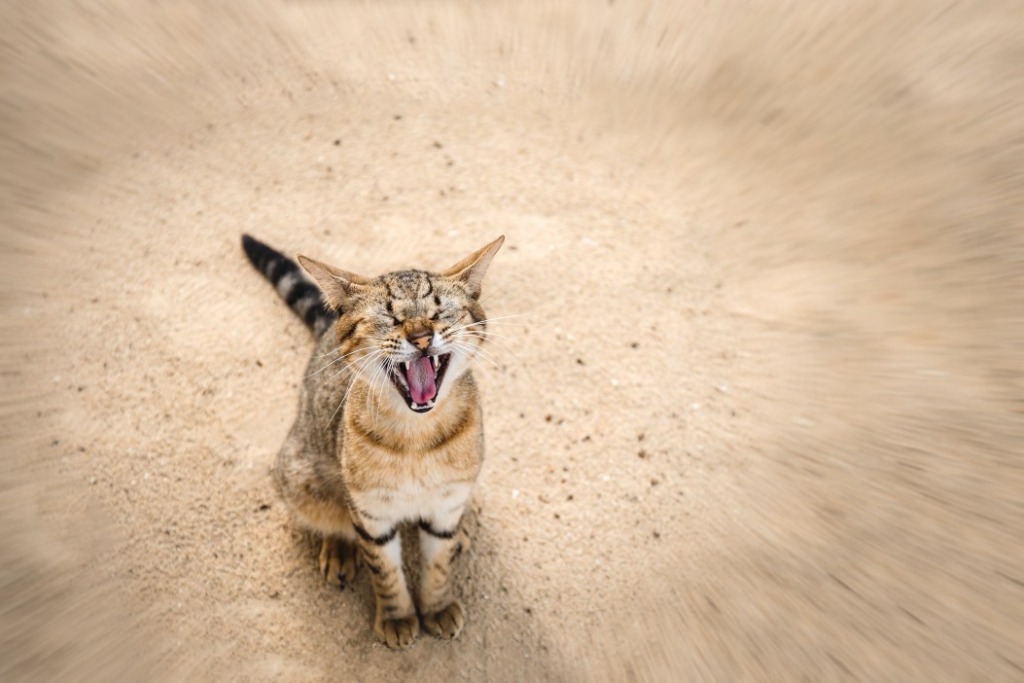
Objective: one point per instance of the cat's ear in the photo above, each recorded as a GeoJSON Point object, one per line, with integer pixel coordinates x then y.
{"type": "Point", "coordinates": [336, 284]}
{"type": "Point", "coordinates": [471, 270]}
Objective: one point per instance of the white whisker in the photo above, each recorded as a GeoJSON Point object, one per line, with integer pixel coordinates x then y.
{"type": "Point", "coordinates": [356, 365]}
{"type": "Point", "coordinates": [335, 360]}
{"type": "Point", "coordinates": [357, 368]}
{"type": "Point", "coordinates": [372, 391]}
{"type": "Point", "coordinates": [475, 351]}
{"type": "Point", "coordinates": [489, 338]}
{"type": "Point", "coordinates": [486, 321]}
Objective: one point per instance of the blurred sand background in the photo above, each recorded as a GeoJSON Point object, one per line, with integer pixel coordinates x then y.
{"type": "Point", "coordinates": [762, 415]}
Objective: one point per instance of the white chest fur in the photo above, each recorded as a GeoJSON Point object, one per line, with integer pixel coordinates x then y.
{"type": "Point", "coordinates": [442, 504]}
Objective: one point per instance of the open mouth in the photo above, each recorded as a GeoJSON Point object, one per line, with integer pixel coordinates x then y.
{"type": "Point", "coordinates": [419, 381]}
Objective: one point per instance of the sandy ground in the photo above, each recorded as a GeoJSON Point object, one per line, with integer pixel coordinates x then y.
{"type": "Point", "coordinates": [757, 414]}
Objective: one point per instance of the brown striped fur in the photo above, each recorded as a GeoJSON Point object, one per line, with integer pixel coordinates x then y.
{"type": "Point", "coordinates": [360, 461]}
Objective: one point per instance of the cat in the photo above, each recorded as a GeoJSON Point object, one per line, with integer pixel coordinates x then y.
{"type": "Point", "coordinates": [389, 428]}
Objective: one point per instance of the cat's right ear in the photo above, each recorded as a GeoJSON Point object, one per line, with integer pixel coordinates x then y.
{"type": "Point", "coordinates": [336, 284]}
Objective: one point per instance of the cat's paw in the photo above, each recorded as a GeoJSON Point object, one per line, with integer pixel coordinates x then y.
{"type": "Point", "coordinates": [338, 562]}
{"type": "Point", "coordinates": [446, 622]}
{"type": "Point", "coordinates": [399, 633]}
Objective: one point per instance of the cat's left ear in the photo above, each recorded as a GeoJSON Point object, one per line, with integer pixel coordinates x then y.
{"type": "Point", "coordinates": [471, 270]}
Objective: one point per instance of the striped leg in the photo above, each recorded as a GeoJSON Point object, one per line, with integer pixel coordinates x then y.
{"type": "Point", "coordinates": [439, 547]}
{"type": "Point", "coordinates": [396, 623]}
{"type": "Point", "coordinates": [338, 560]}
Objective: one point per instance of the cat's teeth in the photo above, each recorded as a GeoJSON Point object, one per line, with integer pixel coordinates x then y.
{"type": "Point", "coordinates": [434, 362]}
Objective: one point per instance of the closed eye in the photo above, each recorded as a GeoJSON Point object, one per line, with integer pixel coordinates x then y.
{"type": "Point", "coordinates": [447, 313]}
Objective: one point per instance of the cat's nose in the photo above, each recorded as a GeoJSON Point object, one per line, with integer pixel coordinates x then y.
{"type": "Point", "coordinates": [421, 337]}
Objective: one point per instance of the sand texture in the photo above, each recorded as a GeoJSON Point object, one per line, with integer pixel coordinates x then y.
{"type": "Point", "coordinates": [753, 407]}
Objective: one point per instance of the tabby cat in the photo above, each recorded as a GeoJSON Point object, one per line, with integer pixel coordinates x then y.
{"type": "Point", "coordinates": [389, 429]}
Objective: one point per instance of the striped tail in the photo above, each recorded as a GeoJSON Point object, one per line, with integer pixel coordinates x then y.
{"type": "Point", "coordinates": [299, 292]}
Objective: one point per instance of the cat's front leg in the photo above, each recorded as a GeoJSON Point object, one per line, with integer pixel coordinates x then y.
{"type": "Point", "coordinates": [396, 623]}
{"type": "Point", "coordinates": [441, 543]}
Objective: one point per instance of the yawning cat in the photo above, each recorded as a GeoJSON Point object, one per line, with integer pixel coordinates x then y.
{"type": "Point", "coordinates": [389, 428]}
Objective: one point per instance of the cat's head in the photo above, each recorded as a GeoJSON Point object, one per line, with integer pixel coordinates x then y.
{"type": "Point", "coordinates": [410, 334]}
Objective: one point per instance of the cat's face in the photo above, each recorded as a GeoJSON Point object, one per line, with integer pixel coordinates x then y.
{"type": "Point", "coordinates": [409, 334]}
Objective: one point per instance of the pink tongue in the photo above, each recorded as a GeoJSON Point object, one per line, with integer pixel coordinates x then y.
{"type": "Point", "coordinates": [421, 380]}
